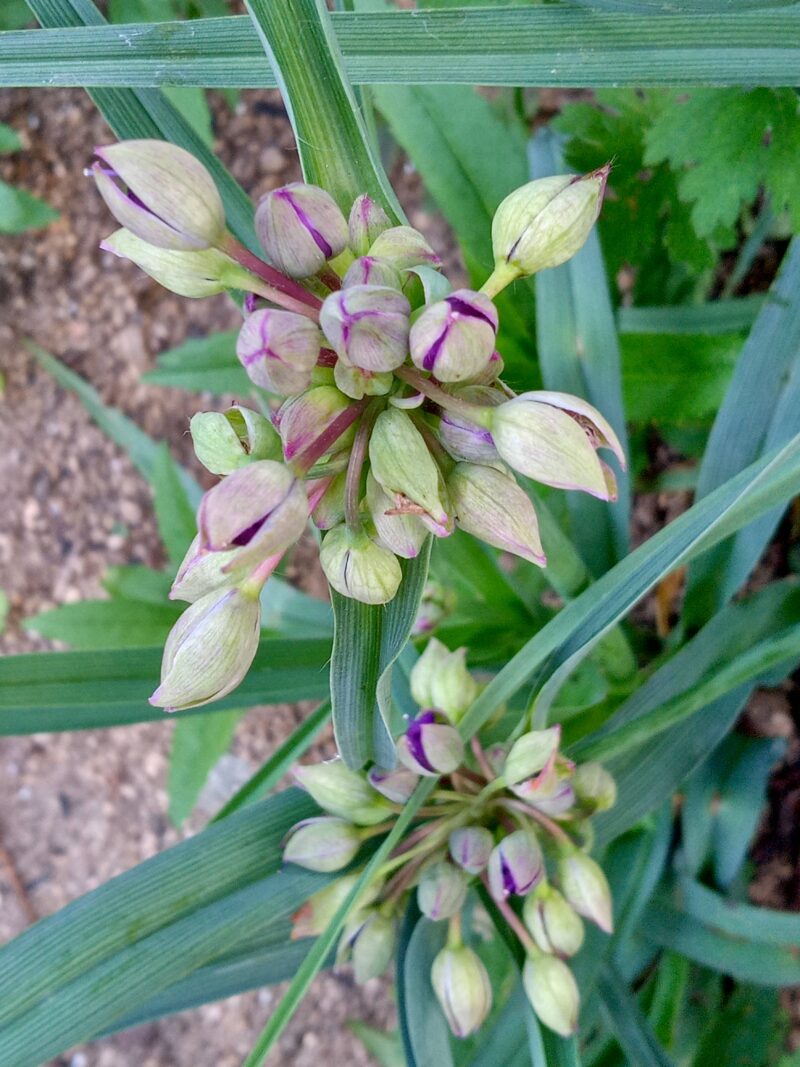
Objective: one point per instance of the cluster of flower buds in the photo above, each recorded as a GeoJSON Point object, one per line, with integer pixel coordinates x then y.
{"type": "Point", "coordinates": [389, 421]}
{"type": "Point", "coordinates": [512, 821]}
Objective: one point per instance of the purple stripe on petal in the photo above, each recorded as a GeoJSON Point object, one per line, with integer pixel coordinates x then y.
{"type": "Point", "coordinates": [509, 883]}
{"type": "Point", "coordinates": [319, 240]}
{"type": "Point", "coordinates": [465, 308]}
{"type": "Point", "coordinates": [414, 738]}
{"type": "Point", "coordinates": [431, 355]}
{"type": "Point", "coordinates": [247, 535]}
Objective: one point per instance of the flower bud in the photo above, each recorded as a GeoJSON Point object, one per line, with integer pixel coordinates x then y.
{"type": "Point", "coordinates": [471, 847]}
{"type": "Point", "coordinates": [226, 440]}
{"type": "Point", "coordinates": [462, 988]}
{"type": "Point", "coordinates": [342, 792]}
{"type": "Point", "coordinates": [440, 679]}
{"type": "Point", "coordinates": [516, 865]}
{"type": "Point", "coordinates": [491, 506]}
{"type": "Point", "coordinates": [312, 918]}
{"type": "Point", "coordinates": [594, 787]}
{"type": "Point", "coordinates": [441, 890]}
{"type": "Point", "coordinates": [170, 201]}
{"type": "Point", "coordinates": [531, 753]}
{"type": "Point", "coordinates": [303, 418]}
{"type": "Point", "coordinates": [430, 747]}
{"type": "Point", "coordinates": [402, 464]}
{"type": "Point", "coordinates": [202, 572]}
{"type": "Point", "coordinates": [404, 247]}
{"type": "Point", "coordinates": [396, 785]}
{"type": "Point", "coordinates": [554, 925]}
{"type": "Point", "coordinates": [329, 512]}
{"type": "Point", "coordinates": [373, 946]}
{"type": "Point", "coordinates": [260, 509]}
{"type": "Point", "coordinates": [553, 993]}
{"type": "Point", "coordinates": [553, 437]}
{"type": "Point", "coordinates": [322, 844]}
{"type": "Point", "coordinates": [368, 326]}
{"type": "Point", "coordinates": [586, 888]}
{"type": "Point", "coordinates": [192, 274]}
{"type": "Point", "coordinates": [367, 221]}
{"type": "Point", "coordinates": [279, 350]}
{"type": "Point", "coordinates": [358, 567]}
{"type": "Point", "coordinates": [209, 650]}
{"type": "Point", "coordinates": [369, 270]}
{"type": "Point", "coordinates": [300, 227]}
{"type": "Point", "coordinates": [467, 440]}
{"type": "Point", "coordinates": [454, 338]}
{"type": "Point", "coordinates": [403, 534]}
{"type": "Point", "coordinates": [545, 222]}
{"type": "Point", "coordinates": [436, 604]}
{"type": "Point", "coordinates": [550, 792]}
{"type": "Point", "coordinates": [357, 383]}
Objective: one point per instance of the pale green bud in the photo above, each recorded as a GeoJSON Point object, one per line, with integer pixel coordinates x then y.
{"type": "Point", "coordinates": [491, 506]}
{"type": "Point", "coordinates": [367, 325]}
{"type": "Point", "coordinates": [368, 270]}
{"type": "Point", "coordinates": [441, 891]}
{"type": "Point", "coordinates": [322, 844]}
{"type": "Point", "coordinates": [357, 383]}
{"type": "Point", "coordinates": [303, 418]}
{"type": "Point", "coordinates": [373, 946]}
{"type": "Point", "coordinates": [554, 925]}
{"type": "Point", "coordinates": [403, 534]}
{"type": "Point", "coordinates": [202, 572]}
{"type": "Point", "coordinates": [279, 350]}
{"type": "Point", "coordinates": [367, 221]}
{"type": "Point", "coordinates": [466, 440]}
{"type": "Point", "coordinates": [440, 679]}
{"type": "Point", "coordinates": [209, 650]}
{"type": "Point", "coordinates": [396, 785]}
{"type": "Point", "coordinates": [300, 227]}
{"type": "Point", "coordinates": [226, 440]}
{"type": "Point", "coordinates": [404, 247]}
{"type": "Point", "coordinates": [312, 918]}
{"type": "Point", "coordinates": [343, 792]}
{"type": "Point", "coordinates": [170, 199]}
{"type": "Point", "coordinates": [516, 865]}
{"type": "Point", "coordinates": [436, 604]}
{"type": "Point", "coordinates": [402, 464]}
{"type": "Point", "coordinates": [329, 512]}
{"type": "Point", "coordinates": [358, 567]}
{"type": "Point", "coordinates": [454, 338]}
{"type": "Point", "coordinates": [462, 988]}
{"type": "Point", "coordinates": [471, 847]}
{"type": "Point", "coordinates": [531, 753]}
{"type": "Point", "coordinates": [586, 888]}
{"type": "Point", "coordinates": [594, 787]}
{"type": "Point", "coordinates": [430, 747]}
{"type": "Point", "coordinates": [551, 988]}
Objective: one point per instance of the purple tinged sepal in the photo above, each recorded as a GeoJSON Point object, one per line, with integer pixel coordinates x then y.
{"type": "Point", "coordinates": [516, 865]}
{"type": "Point", "coordinates": [358, 567]}
{"type": "Point", "coordinates": [464, 439]}
{"type": "Point", "coordinates": [554, 925]}
{"type": "Point", "coordinates": [441, 890]}
{"type": "Point", "coordinates": [436, 604]}
{"type": "Point", "coordinates": [368, 326]}
{"type": "Point", "coordinates": [300, 228]}
{"type": "Point", "coordinates": [367, 222]}
{"type": "Point", "coordinates": [226, 440]}
{"type": "Point", "coordinates": [463, 989]}
{"type": "Point", "coordinates": [342, 792]}
{"type": "Point", "coordinates": [329, 512]}
{"type": "Point", "coordinates": [430, 746]}
{"type": "Point", "coordinates": [586, 887]}
{"type": "Point", "coordinates": [489, 504]}
{"type": "Point", "coordinates": [402, 464]}
{"type": "Point", "coordinates": [202, 572]}
{"type": "Point", "coordinates": [312, 918]}
{"type": "Point", "coordinates": [470, 847]}
{"type": "Point", "coordinates": [369, 270]}
{"type": "Point", "coordinates": [324, 844]}
{"type": "Point", "coordinates": [532, 753]}
{"type": "Point", "coordinates": [303, 418]}
{"type": "Point", "coordinates": [403, 534]}
{"type": "Point", "coordinates": [209, 650]}
{"type": "Point", "coordinates": [169, 200]}
{"type": "Point", "coordinates": [595, 789]}
{"type": "Point", "coordinates": [404, 247]}
{"type": "Point", "coordinates": [440, 679]}
{"type": "Point", "coordinates": [373, 947]}
{"type": "Point", "coordinates": [396, 785]}
{"type": "Point", "coordinates": [550, 792]}
{"type": "Point", "coordinates": [279, 350]}
{"type": "Point", "coordinates": [553, 993]}
{"type": "Point", "coordinates": [454, 338]}
{"type": "Point", "coordinates": [357, 383]}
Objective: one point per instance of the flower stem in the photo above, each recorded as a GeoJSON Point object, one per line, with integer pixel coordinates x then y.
{"type": "Point", "coordinates": [358, 455]}
{"type": "Point", "coordinates": [481, 760]}
{"type": "Point", "coordinates": [330, 278]}
{"type": "Point", "coordinates": [520, 807]}
{"type": "Point", "coordinates": [477, 413]}
{"type": "Point", "coordinates": [278, 283]}
{"type": "Point", "coordinates": [511, 918]}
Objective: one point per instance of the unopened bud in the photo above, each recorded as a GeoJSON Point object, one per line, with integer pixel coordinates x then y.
{"type": "Point", "coordinates": [368, 326]}
{"type": "Point", "coordinates": [402, 464]}
{"type": "Point", "coordinates": [436, 604]}
{"type": "Point", "coordinates": [516, 865]}
{"type": "Point", "coordinates": [342, 792]}
{"type": "Point", "coordinates": [209, 650]}
{"type": "Point", "coordinates": [202, 572]}
{"type": "Point", "coordinates": [323, 844]}
{"type": "Point", "coordinates": [462, 988]}
{"type": "Point", "coordinates": [403, 534]}
{"type": "Point", "coordinates": [396, 785]}
{"type": "Point", "coordinates": [586, 888]}
{"type": "Point", "coordinates": [358, 567]}
{"type": "Point", "coordinates": [466, 440]}
{"type": "Point", "coordinates": [312, 918]}
{"type": "Point", "coordinates": [440, 679]}
{"type": "Point", "coordinates": [329, 512]}
{"type": "Point", "coordinates": [357, 383]}
{"type": "Point", "coordinates": [430, 746]}
{"type": "Point", "coordinates": [404, 247]}
{"type": "Point", "coordinates": [594, 787]}
{"type": "Point", "coordinates": [300, 227]}
{"type": "Point", "coordinates": [303, 418]}
{"type": "Point", "coordinates": [367, 221]}
{"type": "Point", "coordinates": [471, 847]}
{"type": "Point", "coordinates": [554, 925]}
{"type": "Point", "coordinates": [454, 338]}
{"type": "Point", "coordinates": [169, 199]}
{"type": "Point", "coordinates": [226, 440]}
{"type": "Point", "coordinates": [491, 506]}
{"type": "Point", "coordinates": [373, 946]}
{"type": "Point", "coordinates": [531, 753]}
{"type": "Point", "coordinates": [441, 891]}
{"type": "Point", "coordinates": [279, 350]}
{"type": "Point", "coordinates": [550, 792]}
{"type": "Point", "coordinates": [551, 988]}
{"type": "Point", "coordinates": [369, 270]}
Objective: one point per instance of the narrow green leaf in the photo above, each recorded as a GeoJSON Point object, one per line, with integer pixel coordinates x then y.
{"type": "Point", "coordinates": [175, 513]}
{"type": "Point", "coordinates": [384, 1047]}
{"type": "Point", "coordinates": [749, 1026]}
{"type": "Point", "coordinates": [197, 745]}
{"type": "Point", "coordinates": [20, 211]}
{"type": "Point", "coordinates": [106, 624]}
{"type": "Point", "coordinates": [208, 364]}
{"type": "Point", "coordinates": [548, 1049]}
{"type": "Point", "coordinates": [9, 139]}
{"type": "Point", "coordinates": [136, 582]}
{"type": "Point", "coordinates": [719, 316]}
{"type": "Point", "coordinates": [423, 1026]}
{"type": "Point", "coordinates": [631, 1028]}
{"type": "Point", "coordinates": [767, 926]}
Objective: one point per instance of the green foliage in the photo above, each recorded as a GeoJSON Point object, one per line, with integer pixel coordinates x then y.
{"type": "Point", "coordinates": [19, 210]}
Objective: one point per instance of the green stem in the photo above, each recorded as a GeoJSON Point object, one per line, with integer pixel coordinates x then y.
{"type": "Point", "coordinates": [477, 413]}
{"type": "Point", "coordinates": [358, 455]}
{"type": "Point", "coordinates": [288, 292]}
{"type": "Point", "coordinates": [512, 919]}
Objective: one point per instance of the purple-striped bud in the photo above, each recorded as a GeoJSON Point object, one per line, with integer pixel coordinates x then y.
{"type": "Point", "coordinates": [396, 785]}
{"type": "Point", "coordinates": [202, 572]}
{"type": "Point", "coordinates": [454, 339]}
{"type": "Point", "coordinates": [594, 787]}
{"type": "Point", "coordinates": [260, 510]}
{"type": "Point", "coordinates": [550, 792]}
{"type": "Point", "coordinates": [471, 847]}
{"type": "Point", "coordinates": [279, 350]}
{"type": "Point", "coordinates": [322, 844]}
{"type": "Point", "coordinates": [441, 890]}
{"type": "Point", "coordinates": [551, 988]}
{"type": "Point", "coordinates": [368, 326]}
{"type": "Point", "coordinates": [404, 247]}
{"type": "Point", "coordinates": [367, 221]}
{"type": "Point", "coordinates": [369, 270]}
{"type": "Point", "coordinates": [402, 464]}
{"type": "Point", "coordinates": [430, 746]}
{"type": "Point", "coordinates": [226, 440]}
{"type": "Point", "coordinates": [440, 679]}
{"type": "Point", "coordinates": [554, 925]}
{"type": "Point", "coordinates": [462, 988]}
{"type": "Point", "coordinates": [193, 274]}
{"type": "Point", "coordinates": [466, 440]}
{"type": "Point", "coordinates": [301, 419]}
{"type": "Point", "coordinates": [491, 506]}
{"type": "Point", "coordinates": [586, 888]}
{"type": "Point", "coordinates": [358, 567]}
{"type": "Point", "coordinates": [357, 383]}
{"type": "Point", "coordinates": [300, 228]}
{"type": "Point", "coordinates": [342, 792]}
{"type": "Point", "coordinates": [532, 753]}
{"type": "Point", "coordinates": [403, 533]}
{"type": "Point", "coordinates": [516, 865]}
{"type": "Point", "coordinates": [373, 946]}
{"type": "Point", "coordinates": [161, 193]}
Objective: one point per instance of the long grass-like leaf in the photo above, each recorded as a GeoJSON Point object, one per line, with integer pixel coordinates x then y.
{"type": "Point", "coordinates": [632, 1030]}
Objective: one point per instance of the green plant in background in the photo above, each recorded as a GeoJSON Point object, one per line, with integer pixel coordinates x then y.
{"type": "Point", "coordinates": [690, 971]}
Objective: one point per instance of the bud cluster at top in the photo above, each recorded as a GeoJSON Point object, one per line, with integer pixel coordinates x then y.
{"type": "Point", "coordinates": [388, 421]}
{"type": "Point", "coordinates": [514, 819]}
